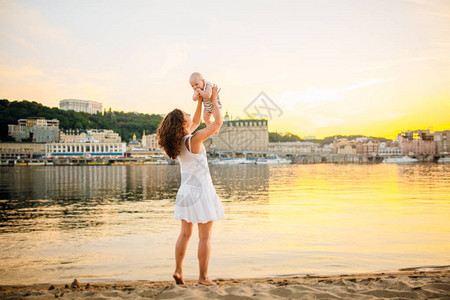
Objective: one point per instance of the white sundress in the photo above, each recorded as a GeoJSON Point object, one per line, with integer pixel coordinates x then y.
{"type": "Point", "coordinates": [197, 200]}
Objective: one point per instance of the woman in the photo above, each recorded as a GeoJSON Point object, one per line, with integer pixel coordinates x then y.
{"type": "Point", "coordinates": [197, 200]}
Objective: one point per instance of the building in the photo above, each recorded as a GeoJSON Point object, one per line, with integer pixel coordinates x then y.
{"type": "Point", "coordinates": [89, 135]}
{"type": "Point", "coordinates": [241, 135]}
{"type": "Point", "coordinates": [35, 129]}
{"type": "Point", "coordinates": [37, 121]}
{"type": "Point", "coordinates": [442, 142]}
{"type": "Point", "coordinates": [150, 142]}
{"type": "Point", "coordinates": [85, 150]}
{"type": "Point", "coordinates": [367, 146]}
{"type": "Point", "coordinates": [387, 151]}
{"type": "Point", "coordinates": [87, 106]}
{"type": "Point", "coordinates": [344, 146]}
{"type": "Point", "coordinates": [419, 142]}
{"type": "Point", "coordinates": [295, 147]}
{"type": "Point", "coordinates": [328, 148]}
{"type": "Point", "coordinates": [21, 150]}
{"type": "Point", "coordinates": [134, 143]}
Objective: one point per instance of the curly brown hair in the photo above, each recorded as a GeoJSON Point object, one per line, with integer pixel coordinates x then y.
{"type": "Point", "coordinates": [170, 133]}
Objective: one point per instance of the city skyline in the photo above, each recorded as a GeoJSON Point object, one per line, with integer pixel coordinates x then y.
{"type": "Point", "coordinates": [35, 118]}
{"type": "Point", "coordinates": [350, 67]}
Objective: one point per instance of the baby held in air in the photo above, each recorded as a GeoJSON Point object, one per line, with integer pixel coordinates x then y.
{"type": "Point", "coordinates": [203, 91]}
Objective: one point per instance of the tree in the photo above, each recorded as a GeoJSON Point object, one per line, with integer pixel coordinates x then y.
{"type": "Point", "coordinates": [123, 123]}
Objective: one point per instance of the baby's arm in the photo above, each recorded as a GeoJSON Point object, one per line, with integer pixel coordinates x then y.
{"type": "Point", "coordinates": [206, 93]}
{"type": "Point", "coordinates": [196, 96]}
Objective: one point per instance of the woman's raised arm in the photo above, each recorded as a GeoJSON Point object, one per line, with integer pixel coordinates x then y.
{"type": "Point", "coordinates": [197, 116]}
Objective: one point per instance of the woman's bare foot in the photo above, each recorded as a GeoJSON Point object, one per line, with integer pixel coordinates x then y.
{"type": "Point", "coordinates": [178, 278]}
{"type": "Point", "coordinates": [207, 282]}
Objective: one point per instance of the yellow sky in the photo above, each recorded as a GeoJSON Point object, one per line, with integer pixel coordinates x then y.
{"type": "Point", "coordinates": [368, 67]}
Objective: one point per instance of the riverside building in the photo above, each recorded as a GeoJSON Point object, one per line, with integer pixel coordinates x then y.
{"type": "Point", "coordinates": [295, 147]}
{"type": "Point", "coordinates": [241, 135]}
{"type": "Point", "coordinates": [35, 129]}
{"type": "Point", "coordinates": [89, 135]}
{"type": "Point", "coordinates": [344, 146]}
{"type": "Point", "coordinates": [21, 150]}
{"type": "Point", "coordinates": [419, 142]}
{"type": "Point", "coordinates": [367, 146]}
{"type": "Point", "coordinates": [442, 140]}
{"type": "Point", "coordinates": [53, 150]}
{"type": "Point", "coordinates": [150, 142]}
{"type": "Point", "coordinates": [387, 151]}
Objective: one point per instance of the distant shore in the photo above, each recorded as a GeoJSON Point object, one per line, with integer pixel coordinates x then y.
{"type": "Point", "coordinates": [408, 284]}
{"type": "Point", "coordinates": [298, 159]}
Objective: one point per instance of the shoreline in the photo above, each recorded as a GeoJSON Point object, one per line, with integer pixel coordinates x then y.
{"type": "Point", "coordinates": [295, 158]}
{"type": "Point", "coordinates": [409, 283]}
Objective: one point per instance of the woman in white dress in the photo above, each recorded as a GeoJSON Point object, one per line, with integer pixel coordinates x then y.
{"type": "Point", "coordinates": [197, 200]}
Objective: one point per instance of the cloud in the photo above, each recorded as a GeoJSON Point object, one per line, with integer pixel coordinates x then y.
{"type": "Point", "coordinates": [171, 57]}
{"type": "Point", "coordinates": [420, 2]}
{"type": "Point", "coordinates": [315, 97]}
{"type": "Point", "coordinates": [440, 14]}
{"type": "Point", "coordinates": [19, 40]}
{"type": "Point", "coordinates": [393, 115]}
{"type": "Point", "coordinates": [323, 121]}
{"type": "Point", "coordinates": [26, 25]}
{"type": "Point", "coordinates": [366, 83]}
{"type": "Point", "coordinates": [392, 63]}
{"type": "Point", "coordinates": [20, 73]}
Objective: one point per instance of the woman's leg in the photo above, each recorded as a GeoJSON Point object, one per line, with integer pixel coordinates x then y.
{"type": "Point", "coordinates": [204, 249]}
{"type": "Point", "coordinates": [180, 250]}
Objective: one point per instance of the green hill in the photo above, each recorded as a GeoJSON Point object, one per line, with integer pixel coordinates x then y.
{"type": "Point", "coordinates": [289, 137]}
{"type": "Point", "coordinates": [124, 123]}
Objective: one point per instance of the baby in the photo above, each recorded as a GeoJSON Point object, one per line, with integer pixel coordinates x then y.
{"type": "Point", "coordinates": [203, 90]}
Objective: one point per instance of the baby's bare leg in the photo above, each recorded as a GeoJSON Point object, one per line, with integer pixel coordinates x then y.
{"type": "Point", "coordinates": [207, 117]}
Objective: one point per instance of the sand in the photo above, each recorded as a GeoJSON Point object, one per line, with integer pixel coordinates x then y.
{"type": "Point", "coordinates": [408, 284]}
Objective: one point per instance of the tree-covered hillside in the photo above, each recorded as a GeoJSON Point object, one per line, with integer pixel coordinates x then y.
{"type": "Point", "coordinates": [330, 139]}
{"type": "Point", "coordinates": [124, 123]}
{"type": "Point", "coordinates": [289, 137]}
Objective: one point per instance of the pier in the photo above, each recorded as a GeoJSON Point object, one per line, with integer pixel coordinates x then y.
{"type": "Point", "coordinates": [68, 161]}
{"type": "Point", "coordinates": [295, 157]}
{"type": "Point", "coordinates": [301, 157]}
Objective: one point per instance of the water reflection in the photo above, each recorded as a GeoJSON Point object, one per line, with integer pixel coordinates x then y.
{"type": "Point", "coordinates": [74, 183]}
{"type": "Point", "coordinates": [79, 196]}
{"type": "Point", "coordinates": [242, 182]}
{"type": "Point", "coordinates": [117, 221]}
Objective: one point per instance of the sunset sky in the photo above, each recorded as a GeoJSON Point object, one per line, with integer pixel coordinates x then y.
{"type": "Point", "coordinates": [333, 67]}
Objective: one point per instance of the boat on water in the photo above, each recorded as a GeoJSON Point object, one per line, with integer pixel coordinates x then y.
{"type": "Point", "coordinates": [273, 160]}
{"type": "Point", "coordinates": [444, 160]}
{"type": "Point", "coordinates": [97, 163]}
{"type": "Point", "coordinates": [250, 161]}
{"type": "Point", "coordinates": [400, 160]}
{"type": "Point", "coordinates": [156, 162]}
{"type": "Point", "coordinates": [36, 163]}
{"type": "Point", "coordinates": [229, 161]}
{"type": "Point", "coordinates": [243, 160]}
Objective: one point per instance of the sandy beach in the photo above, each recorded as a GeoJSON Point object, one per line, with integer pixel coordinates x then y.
{"type": "Point", "coordinates": [407, 284]}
